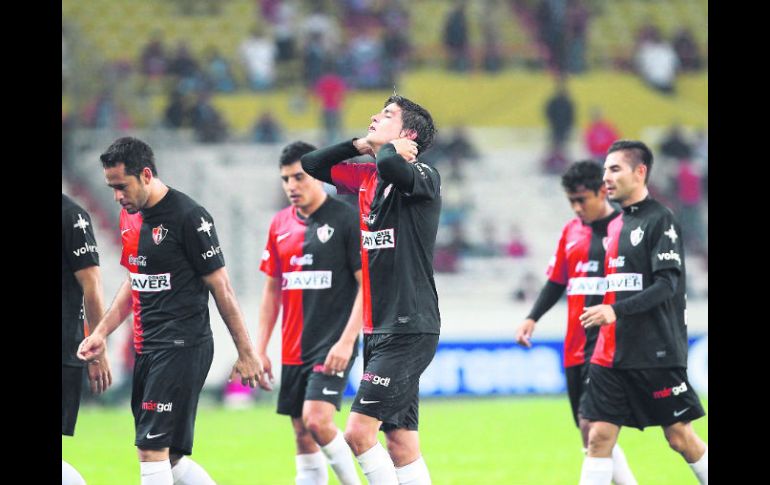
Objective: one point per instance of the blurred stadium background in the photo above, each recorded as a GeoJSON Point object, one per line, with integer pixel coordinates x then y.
{"type": "Point", "coordinates": [218, 87]}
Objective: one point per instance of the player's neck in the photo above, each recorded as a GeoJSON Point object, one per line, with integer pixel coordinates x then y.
{"type": "Point", "coordinates": [636, 197]}
{"type": "Point", "coordinates": [308, 210]}
{"type": "Point", "coordinates": [158, 190]}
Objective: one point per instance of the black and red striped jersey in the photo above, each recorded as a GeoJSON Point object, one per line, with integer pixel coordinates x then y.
{"type": "Point", "coordinates": [167, 248]}
{"type": "Point", "coordinates": [398, 234]}
{"type": "Point", "coordinates": [78, 251]}
{"type": "Point", "coordinates": [644, 242]}
{"type": "Point", "coordinates": [579, 265]}
{"type": "Point", "coordinates": [316, 259]}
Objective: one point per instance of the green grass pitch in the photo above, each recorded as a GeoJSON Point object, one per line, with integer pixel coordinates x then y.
{"type": "Point", "coordinates": [511, 440]}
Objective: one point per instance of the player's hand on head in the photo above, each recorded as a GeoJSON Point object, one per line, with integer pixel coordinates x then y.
{"type": "Point", "coordinates": [524, 333]}
{"type": "Point", "coordinates": [99, 374]}
{"type": "Point", "coordinates": [406, 147]}
{"type": "Point", "coordinates": [594, 316]}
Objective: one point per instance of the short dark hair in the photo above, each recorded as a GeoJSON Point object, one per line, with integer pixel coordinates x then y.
{"type": "Point", "coordinates": [132, 152]}
{"type": "Point", "coordinates": [417, 118]}
{"type": "Point", "coordinates": [641, 153]}
{"type": "Point", "coordinates": [293, 151]}
{"type": "Point", "coordinates": [586, 174]}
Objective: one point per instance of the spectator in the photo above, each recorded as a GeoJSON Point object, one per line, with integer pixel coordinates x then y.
{"type": "Point", "coordinates": [599, 135]}
{"type": "Point", "coordinates": [285, 28]}
{"type": "Point", "coordinates": [550, 16]}
{"type": "Point", "coordinates": [331, 90]}
{"type": "Point", "coordinates": [395, 41]}
{"type": "Point", "coordinates": [321, 23]}
{"type": "Point", "coordinates": [491, 16]}
{"type": "Point", "coordinates": [257, 53]}
{"type": "Point", "coordinates": [656, 62]}
{"type": "Point", "coordinates": [528, 288]}
{"type": "Point", "coordinates": [456, 37]}
{"type": "Point", "coordinates": [217, 72]}
{"type": "Point", "coordinates": [576, 32]}
{"type": "Point", "coordinates": [105, 112]}
{"type": "Point", "coordinates": [207, 122]}
{"type": "Point", "coordinates": [184, 66]}
{"type": "Point", "coordinates": [366, 54]}
{"type": "Point", "coordinates": [689, 197]}
{"type": "Point", "coordinates": [314, 58]}
{"type": "Point", "coordinates": [560, 113]}
{"type": "Point", "coordinates": [177, 113]}
{"type": "Point", "coordinates": [687, 50]}
{"type": "Point", "coordinates": [267, 129]}
{"type": "Point", "coordinates": [517, 246]}
{"type": "Point", "coordinates": [674, 145]}
{"type": "Point", "coordinates": [153, 60]}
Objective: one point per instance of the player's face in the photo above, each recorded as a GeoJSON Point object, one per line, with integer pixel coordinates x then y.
{"type": "Point", "coordinates": [587, 204]}
{"type": "Point", "coordinates": [386, 126]}
{"type": "Point", "coordinates": [130, 192]}
{"type": "Point", "coordinates": [301, 189]}
{"type": "Point", "coordinates": [623, 180]}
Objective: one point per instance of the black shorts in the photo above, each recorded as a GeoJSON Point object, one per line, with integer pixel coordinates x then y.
{"type": "Point", "coordinates": [71, 388]}
{"type": "Point", "coordinates": [640, 397]}
{"type": "Point", "coordinates": [390, 385]}
{"type": "Point", "coordinates": [307, 382]}
{"type": "Point", "coordinates": [164, 398]}
{"type": "Point", "coordinates": [576, 382]}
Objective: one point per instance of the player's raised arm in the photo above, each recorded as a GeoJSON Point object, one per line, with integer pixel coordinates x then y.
{"type": "Point", "coordinates": [318, 163]}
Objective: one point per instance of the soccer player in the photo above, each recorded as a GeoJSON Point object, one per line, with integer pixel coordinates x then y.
{"type": "Point", "coordinates": [638, 371]}
{"type": "Point", "coordinates": [81, 287]}
{"type": "Point", "coordinates": [173, 258]}
{"type": "Point", "coordinates": [399, 203]}
{"type": "Point", "coordinates": [578, 267]}
{"type": "Point", "coordinates": [313, 265]}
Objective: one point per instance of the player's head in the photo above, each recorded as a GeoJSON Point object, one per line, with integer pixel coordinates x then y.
{"type": "Point", "coordinates": [627, 169]}
{"type": "Point", "coordinates": [129, 167]}
{"type": "Point", "coordinates": [303, 191]}
{"type": "Point", "coordinates": [585, 190]}
{"type": "Point", "coordinates": [401, 118]}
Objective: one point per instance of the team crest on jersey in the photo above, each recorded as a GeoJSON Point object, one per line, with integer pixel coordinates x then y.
{"type": "Point", "coordinates": [324, 233]}
{"type": "Point", "coordinates": [159, 234]}
{"type": "Point", "coordinates": [671, 233]}
{"type": "Point", "coordinates": [636, 236]}
{"type": "Point", "coordinates": [606, 242]}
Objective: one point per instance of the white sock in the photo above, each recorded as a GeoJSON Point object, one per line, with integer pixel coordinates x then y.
{"type": "Point", "coordinates": [70, 476]}
{"type": "Point", "coordinates": [156, 473]}
{"type": "Point", "coordinates": [596, 471]}
{"type": "Point", "coordinates": [340, 458]}
{"type": "Point", "coordinates": [378, 466]}
{"type": "Point", "coordinates": [621, 472]}
{"type": "Point", "coordinates": [415, 473]}
{"type": "Point", "coordinates": [188, 472]}
{"type": "Point", "coordinates": [701, 468]}
{"type": "Point", "coordinates": [311, 469]}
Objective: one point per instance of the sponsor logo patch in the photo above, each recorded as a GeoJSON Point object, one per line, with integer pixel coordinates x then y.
{"type": "Point", "coordinates": [668, 391]}
{"type": "Point", "coordinates": [303, 260]}
{"type": "Point", "coordinates": [282, 236]}
{"type": "Point", "coordinates": [584, 285]}
{"type": "Point", "coordinates": [671, 255]}
{"type": "Point", "coordinates": [158, 407]}
{"type": "Point", "coordinates": [306, 280]}
{"type": "Point", "coordinates": [213, 251]}
{"type": "Point", "coordinates": [587, 267]}
{"type": "Point", "coordinates": [150, 282]}
{"type": "Point", "coordinates": [375, 379]}
{"type": "Point", "coordinates": [618, 262]}
{"type": "Point", "coordinates": [137, 260]}
{"type": "Point", "coordinates": [378, 239]}
{"type": "Point", "coordinates": [624, 282]}
{"type": "Point", "coordinates": [88, 248]}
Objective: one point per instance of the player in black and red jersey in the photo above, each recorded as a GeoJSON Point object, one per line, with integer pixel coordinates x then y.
{"type": "Point", "coordinates": [638, 371]}
{"type": "Point", "coordinates": [313, 265]}
{"type": "Point", "coordinates": [173, 257]}
{"type": "Point", "coordinates": [399, 203]}
{"type": "Point", "coordinates": [578, 267]}
{"type": "Point", "coordinates": [81, 293]}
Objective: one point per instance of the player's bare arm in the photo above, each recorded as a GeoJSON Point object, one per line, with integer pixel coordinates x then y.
{"type": "Point", "coordinates": [339, 354]}
{"type": "Point", "coordinates": [597, 315]}
{"type": "Point", "coordinates": [94, 346]}
{"type": "Point", "coordinates": [248, 364]}
{"type": "Point", "coordinates": [269, 308]}
{"type": "Point", "coordinates": [524, 332]}
{"type": "Point", "coordinates": [89, 279]}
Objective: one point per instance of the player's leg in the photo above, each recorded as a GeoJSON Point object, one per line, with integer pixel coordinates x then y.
{"type": "Point", "coordinates": [404, 449]}
{"type": "Point", "coordinates": [310, 462]}
{"type": "Point", "coordinates": [361, 435]}
{"type": "Point", "coordinates": [154, 466]}
{"type": "Point", "coordinates": [71, 388]}
{"type": "Point", "coordinates": [682, 438]}
{"type": "Point", "coordinates": [323, 397]}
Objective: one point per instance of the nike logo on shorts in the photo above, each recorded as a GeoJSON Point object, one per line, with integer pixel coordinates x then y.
{"type": "Point", "coordinates": [282, 236]}
{"type": "Point", "coordinates": [679, 413]}
{"type": "Point", "coordinates": [366, 402]}
{"type": "Point", "coordinates": [327, 392]}
{"type": "Point", "coordinates": [152, 436]}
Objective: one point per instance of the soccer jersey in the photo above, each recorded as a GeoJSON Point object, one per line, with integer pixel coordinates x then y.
{"type": "Point", "coordinates": [167, 249]}
{"type": "Point", "coordinates": [316, 259]}
{"type": "Point", "coordinates": [579, 265]}
{"type": "Point", "coordinates": [78, 251]}
{"type": "Point", "coordinates": [398, 234]}
{"type": "Point", "coordinates": [644, 240]}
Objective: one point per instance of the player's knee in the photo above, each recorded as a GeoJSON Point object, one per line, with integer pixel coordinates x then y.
{"type": "Point", "coordinates": [678, 441]}
{"type": "Point", "coordinates": [316, 423]}
{"type": "Point", "coordinates": [600, 440]}
{"type": "Point", "coordinates": [357, 438]}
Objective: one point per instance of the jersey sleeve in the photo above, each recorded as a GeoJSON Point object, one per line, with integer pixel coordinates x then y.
{"type": "Point", "coordinates": [348, 176]}
{"type": "Point", "coordinates": [201, 243]}
{"type": "Point", "coordinates": [271, 263]}
{"type": "Point", "coordinates": [426, 183]}
{"type": "Point", "coordinates": [557, 267]}
{"type": "Point", "coordinates": [667, 250]}
{"type": "Point", "coordinates": [78, 240]}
